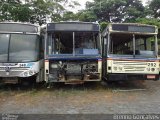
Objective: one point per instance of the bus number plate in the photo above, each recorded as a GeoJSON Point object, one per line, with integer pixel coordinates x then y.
{"type": "Point", "coordinates": [151, 76]}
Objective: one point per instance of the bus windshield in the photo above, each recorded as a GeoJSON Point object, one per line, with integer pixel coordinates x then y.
{"type": "Point", "coordinates": [123, 44]}
{"type": "Point", "coordinates": [18, 48]}
{"type": "Point", "coordinates": [73, 42]}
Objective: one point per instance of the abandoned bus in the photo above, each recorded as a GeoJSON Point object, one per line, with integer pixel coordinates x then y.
{"type": "Point", "coordinates": [129, 52]}
{"type": "Point", "coordinates": [72, 52]}
{"type": "Point", "coordinates": [21, 55]}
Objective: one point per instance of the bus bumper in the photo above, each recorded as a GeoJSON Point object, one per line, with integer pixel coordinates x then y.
{"type": "Point", "coordinates": [123, 77]}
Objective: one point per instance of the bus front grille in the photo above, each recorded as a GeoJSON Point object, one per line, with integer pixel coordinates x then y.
{"type": "Point", "coordinates": [14, 68]}
{"type": "Point", "coordinates": [10, 74]}
{"type": "Point", "coordinates": [11, 71]}
{"type": "Point", "coordinates": [130, 66]}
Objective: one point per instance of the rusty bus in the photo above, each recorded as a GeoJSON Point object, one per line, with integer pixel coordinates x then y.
{"type": "Point", "coordinates": [72, 52]}
{"type": "Point", "coordinates": [130, 52]}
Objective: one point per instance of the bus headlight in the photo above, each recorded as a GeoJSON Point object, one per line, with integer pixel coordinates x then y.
{"type": "Point", "coordinates": [25, 74]}
{"type": "Point", "coordinates": [28, 73]}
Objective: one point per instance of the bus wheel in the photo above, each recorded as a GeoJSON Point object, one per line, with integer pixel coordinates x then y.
{"type": "Point", "coordinates": [25, 83]}
{"type": "Point", "coordinates": [28, 82]}
{"type": "Point", "coordinates": [49, 85]}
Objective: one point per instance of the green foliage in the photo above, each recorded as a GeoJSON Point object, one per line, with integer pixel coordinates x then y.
{"type": "Point", "coordinates": [151, 21]}
{"type": "Point", "coordinates": [103, 25]}
{"type": "Point", "coordinates": [69, 16]}
{"type": "Point", "coordinates": [39, 11]}
{"type": "Point", "coordinates": [103, 11]}
{"type": "Point", "coordinates": [115, 10]}
{"type": "Point", "coordinates": [14, 10]}
{"type": "Point", "coordinates": [36, 11]}
{"type": "Point", "coordinates": [155, 7]}
{"type": "Point", "coordinates": [58, 11]}
{"type": "Point", "coordinates": [87, 16]}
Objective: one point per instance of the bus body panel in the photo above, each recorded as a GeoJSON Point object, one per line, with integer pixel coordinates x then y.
{"type": "Point", "coordinates": [132, 70]}
{"type": "Point", "coordinates": [19, 69]}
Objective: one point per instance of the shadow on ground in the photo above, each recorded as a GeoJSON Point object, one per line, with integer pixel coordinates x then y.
{"type": "Point", "coordinates": [120, 85]}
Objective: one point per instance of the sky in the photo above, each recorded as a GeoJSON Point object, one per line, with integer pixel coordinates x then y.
{"type": "Point", "coordinates": [82, 2]}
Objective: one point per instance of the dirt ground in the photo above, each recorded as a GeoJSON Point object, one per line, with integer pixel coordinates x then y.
{"type": "Point", "coordinates": [128, 97]}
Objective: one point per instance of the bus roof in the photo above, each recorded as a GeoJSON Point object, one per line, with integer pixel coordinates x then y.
{"type": "Point", "coordinates": [131, 28]}
{"type": "Point", "coordinates": [7, 27]}
{"type": "Point", "coordinates": [73, 26]}
{"type": "Point", "coordinates": [22, 23]}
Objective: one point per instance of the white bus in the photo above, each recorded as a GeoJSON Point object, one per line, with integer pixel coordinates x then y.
{"type": "Point", "coordinates": [130, 52]}
{"type": "Point", "coordinates": [72, 52]}
{"type": "Point", "coordinates": [21, 53]}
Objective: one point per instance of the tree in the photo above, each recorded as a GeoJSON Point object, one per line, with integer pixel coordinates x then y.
{"type": "Point", "coordinates": [87, 16]}
{"type": "Point", "coordinates": [36, 11]}
{"type": "Point", "coordinates": [60, 10]}
{"type": "Point", "coordinates": [116, 10]}
{"type": "Point", "coordinates": [150, 21]}
{"type": "Point", "coordinates": [134, 10]}
{"type": "Point", "coordinates": [39, 10]}
{"type": "Point", "coordinates": [154, 6]}
{"type": "Point", "coordinates": [13, 10]}
{"type": "Point", "coordinates": [69, 16]}
{"type": "Point", "coordinates": [103, 25]}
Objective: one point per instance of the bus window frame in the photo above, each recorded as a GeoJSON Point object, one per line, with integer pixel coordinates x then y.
{"type": "Point", "coordinates": [134, 47]}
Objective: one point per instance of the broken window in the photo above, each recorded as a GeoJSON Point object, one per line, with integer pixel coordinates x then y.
{"type": "Point", "coordinates": [122, 44]}
{"type": "Point", "coordinates": [145, 42]}
{"type": "Point", "coordinates": [73, 42]}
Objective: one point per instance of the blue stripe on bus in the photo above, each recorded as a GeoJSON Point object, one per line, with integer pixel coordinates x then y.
{"type": "Point", "coordinates": [77, 55]}
{"type": "Point", "coordinates": [73, 59]}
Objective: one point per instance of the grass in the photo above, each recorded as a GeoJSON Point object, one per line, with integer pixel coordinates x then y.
{"type": "Point", "coordinates": [61, 90]}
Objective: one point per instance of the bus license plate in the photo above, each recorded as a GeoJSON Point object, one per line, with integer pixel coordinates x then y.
{"type": "Point", "coordinates": [151, 76]}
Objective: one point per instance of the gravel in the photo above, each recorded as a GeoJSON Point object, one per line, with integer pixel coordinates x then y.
{"type": "Point", "coordinates": [92, 98]}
